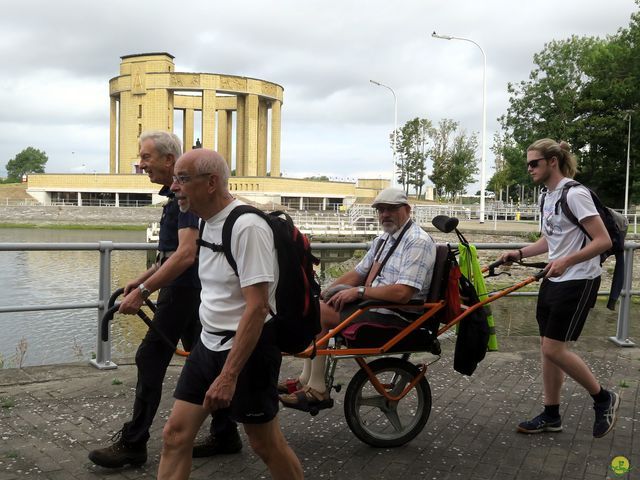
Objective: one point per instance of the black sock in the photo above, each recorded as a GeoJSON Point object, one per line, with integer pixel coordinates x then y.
{"type": "Point", "coordinates": [601, 396]}
{"type": "Point", "coordinates": [552, 411]}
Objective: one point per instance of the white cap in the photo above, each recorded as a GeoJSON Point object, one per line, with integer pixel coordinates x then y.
{"type": "Point", "coordinates": [391, 196]}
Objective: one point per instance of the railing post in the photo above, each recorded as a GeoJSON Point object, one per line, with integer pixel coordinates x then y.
{"type": "Point", "coordinates": [103, 349]}
{"type": "Point", "coordinates": [622, 330]}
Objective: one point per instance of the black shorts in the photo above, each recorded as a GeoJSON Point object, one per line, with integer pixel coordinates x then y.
{"type": "Point", "coordinates": [256, 396]}
{"type": "Point", "coordinates": [563, 307]}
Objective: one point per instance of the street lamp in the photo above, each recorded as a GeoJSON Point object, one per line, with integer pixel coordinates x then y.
{"type": "Point", "coordinates": [395, 126]}
{"type": "Point", "coordinates": [484, 116]}
{"type": "Point", "coordinates": [626, 188]}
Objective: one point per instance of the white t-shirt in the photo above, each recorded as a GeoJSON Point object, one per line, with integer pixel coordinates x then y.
{"type": "Point", "coordinates": [565, 238]}
{"type": "Point", "coordinates": [222, 303]}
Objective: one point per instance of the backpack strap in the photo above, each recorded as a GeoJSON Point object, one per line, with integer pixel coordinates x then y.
{"type": "Point", "coordinates": [564, 205]}
{"type": "Point", "coordinates": [229, 222]}
{"type": "Point", "coordinates": [202, 243]}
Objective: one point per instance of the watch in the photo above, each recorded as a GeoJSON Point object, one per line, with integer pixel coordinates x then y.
{"type": "Point", "coordinates": [144, 292]}
{"type": "Point", "coordinates": [361, 292]}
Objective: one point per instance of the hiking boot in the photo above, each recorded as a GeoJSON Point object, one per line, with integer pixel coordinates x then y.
{"type": "Point", "coordinates": [214, 445]}
{"type": "Point", "coordinates": [119, 454]}
{"type": "Point", "coordinates": [541, 423]}
{"type": "Point", "coordinates": [606, 414]}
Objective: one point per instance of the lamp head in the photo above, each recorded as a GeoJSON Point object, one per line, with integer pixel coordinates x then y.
{"type": "Point", "coordinates": [443, 37]}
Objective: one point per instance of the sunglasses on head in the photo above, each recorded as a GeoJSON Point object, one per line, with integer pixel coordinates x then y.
{"type": "Point", "coordinates": [534, 162]}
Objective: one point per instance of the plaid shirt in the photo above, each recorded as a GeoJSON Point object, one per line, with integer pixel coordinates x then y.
{"type": "Point", "coordinates": [410, 264]}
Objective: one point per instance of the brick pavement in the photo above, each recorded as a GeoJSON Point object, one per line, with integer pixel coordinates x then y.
{"type": "Point", "coordinates": [51, 416]}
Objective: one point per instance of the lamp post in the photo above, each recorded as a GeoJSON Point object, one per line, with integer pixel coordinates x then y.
{"type": "Point", "coordinates": [626, 188]}
{"type": "Point", "coordinates": [395, 127]}
{"type": "Point", "coordinates": [484, 116]}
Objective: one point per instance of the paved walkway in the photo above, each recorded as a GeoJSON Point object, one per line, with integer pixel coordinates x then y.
{"type": "Point", "coordinates": [50, 417]}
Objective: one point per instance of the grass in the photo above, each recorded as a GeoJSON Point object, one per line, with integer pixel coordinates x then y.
{"type": "Point", "coordinates": [6, 402]}
{"type": "Point", "coordinates": [55, 226]}
{"type": "Point", "coordinates": [115, 381]}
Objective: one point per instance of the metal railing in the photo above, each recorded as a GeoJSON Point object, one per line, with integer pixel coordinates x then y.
{"type": "Point", "coordinates": [103, 349]}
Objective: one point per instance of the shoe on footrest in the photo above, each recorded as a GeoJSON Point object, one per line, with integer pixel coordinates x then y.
{"type": "Point", "coordinates": [307, 399]}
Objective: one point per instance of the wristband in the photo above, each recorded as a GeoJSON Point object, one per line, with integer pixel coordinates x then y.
{"type": "Point", "coordinates": [521, 255]}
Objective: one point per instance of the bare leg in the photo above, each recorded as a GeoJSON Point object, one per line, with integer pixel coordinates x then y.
{"type": "Point", "coordinates": [552, 378]}
{"type": "Point", "coordinates": [558, 354]}
{"type": "Point", "coordinates": [177, 440]}
{"type": "Point", "coordinates": [267, 440]}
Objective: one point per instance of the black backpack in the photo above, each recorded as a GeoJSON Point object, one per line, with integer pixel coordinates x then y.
{"type": "Point", "coordinates": [297, 321]}
{"type": "Point", "coordinates": [616, 225]}
{"type": "Point", "coordinates": [473, 332]}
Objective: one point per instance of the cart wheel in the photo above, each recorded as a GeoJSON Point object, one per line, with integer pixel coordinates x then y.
{"type": "Point", "coordinates": [382, 423]}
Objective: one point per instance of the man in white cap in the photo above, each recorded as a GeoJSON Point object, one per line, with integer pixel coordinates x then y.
{"type": "Point", "coordinates": [396, 269]}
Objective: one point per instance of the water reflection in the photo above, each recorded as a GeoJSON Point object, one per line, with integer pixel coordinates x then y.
{"type": "Point", "coordinates": [29, 278]}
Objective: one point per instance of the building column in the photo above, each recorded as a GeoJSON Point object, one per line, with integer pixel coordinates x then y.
{"type": "Point", "coordinates": [113, 130]}
{"type": "Point", "coordinates": [187, 129]}
{"type": "Point", "coordinates": [251, 135]}
{"type": "Point", "coordinates": [324, 203]}
{"type": "Point", "coordinates": [241, 164]}
{"type": "Point", "coordinates": [276, 107]}
{"type": "Point", "coordinates": [263, 117]}
{"type": "Point", "coordinates": [229, 115]}
{"type": "Point", "coordinates": [117, 199]}
{"type": "Point", "coordinates": [223, 145]}
{"type": "Point", "coordinates": [79, 199]}
{"type": "Point", "coordinates": [301, 206]}
{"type": "Point", "coordinates": [209, 119]}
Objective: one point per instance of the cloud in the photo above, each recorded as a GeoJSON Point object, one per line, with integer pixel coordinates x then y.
{"type": "Point", "coordinates": [59, 56]}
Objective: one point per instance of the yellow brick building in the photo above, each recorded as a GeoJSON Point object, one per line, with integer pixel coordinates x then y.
{"type": "Point", "coordinates": [240, 118]}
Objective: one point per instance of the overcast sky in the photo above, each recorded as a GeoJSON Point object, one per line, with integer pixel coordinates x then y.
{"type": "Point", "coordinates": [57, 59]}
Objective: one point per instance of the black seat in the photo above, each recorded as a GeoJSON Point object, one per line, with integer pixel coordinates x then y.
{"type": "Point", "coordinates": [424, 338]}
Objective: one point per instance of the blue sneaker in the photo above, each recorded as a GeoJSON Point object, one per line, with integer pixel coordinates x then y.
{"type": "Point", "coordinates": [542, 423]}
{"type": "Point", "coordinates": [606, 414]}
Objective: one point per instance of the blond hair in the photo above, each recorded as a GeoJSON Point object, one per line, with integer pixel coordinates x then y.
{"type": "Point", "coordinates": [550, 148]}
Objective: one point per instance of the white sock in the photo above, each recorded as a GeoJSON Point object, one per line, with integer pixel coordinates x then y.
{"type": "Point", "coordinates": [306, 371]}
{"type": "Point", "coordinates": [316, 380]}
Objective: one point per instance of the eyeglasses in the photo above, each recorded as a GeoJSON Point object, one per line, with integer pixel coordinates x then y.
{"type": "Point", "coordinates": [534, 162]}
{"type": "Point", "coordinates": [388, 208]}
{"type": "Point", "coordinates": [182, 179]}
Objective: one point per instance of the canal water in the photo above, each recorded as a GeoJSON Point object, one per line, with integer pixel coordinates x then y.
{"type": "Point", "coordinates": [40, 278]}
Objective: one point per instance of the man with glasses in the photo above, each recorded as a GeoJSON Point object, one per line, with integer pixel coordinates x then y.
{"type": "Point", "coordinates": [235, 364]}
{"type": "Point", "coordinates": [397, 268]}
{"type": "Point", "coordinates": [175, 274]}
{"type": "Point", "coordinates": [569, 288]}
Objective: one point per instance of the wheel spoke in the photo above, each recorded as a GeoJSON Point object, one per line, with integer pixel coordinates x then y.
{"type": "Point", "coordinates": [400, 382]}
{"type": "Point", "coordinates": [394, 419]}
{"type": "Point", "coordinates": [377, 401]}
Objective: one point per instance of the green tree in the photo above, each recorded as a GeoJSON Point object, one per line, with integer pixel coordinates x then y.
{"type": "Point", "coordinates": [413, 153]}
{"type": "Point", "coordinates": [454, 159]}
{"type": "Point", "coordinates": [29, 160]}
{"type": "Point", "coordinates": [581, 90]}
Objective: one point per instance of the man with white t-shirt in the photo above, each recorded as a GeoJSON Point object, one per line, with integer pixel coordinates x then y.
{"type": "Point", "coordinates": [569, 288]}
{"type": "Point", "coordinates": [237, 372]}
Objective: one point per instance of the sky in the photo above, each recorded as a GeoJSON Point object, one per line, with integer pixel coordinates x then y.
{"type": "Point", "coordinates": [58, 57]}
